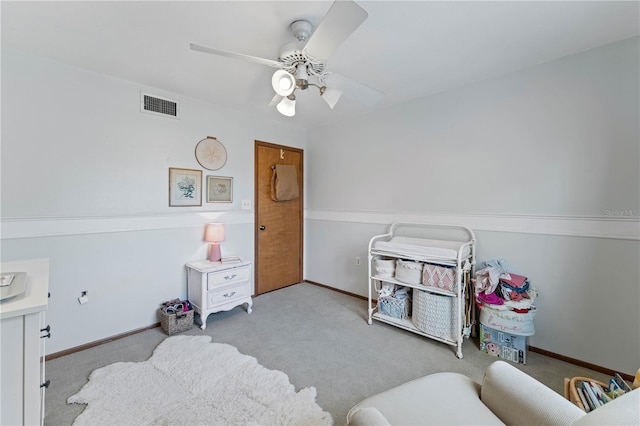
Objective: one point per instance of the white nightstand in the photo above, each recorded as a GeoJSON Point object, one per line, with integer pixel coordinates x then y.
{"type": "Point", "coordinates": [214, 287]}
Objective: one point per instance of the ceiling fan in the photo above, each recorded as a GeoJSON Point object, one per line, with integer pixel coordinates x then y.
{"type": "Point", "coordinates": [302, 62]}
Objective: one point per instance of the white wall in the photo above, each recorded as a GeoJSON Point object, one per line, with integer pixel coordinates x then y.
{"type": "Point", "coordinates": [550, 154]}
{"type": "Point", "coordinates": [85, 181]}
{"type": "Point", "coordinates": [542, 163]}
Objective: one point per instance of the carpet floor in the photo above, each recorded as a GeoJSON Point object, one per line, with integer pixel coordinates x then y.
{"type": "Point", "coordinates": [319, 338]}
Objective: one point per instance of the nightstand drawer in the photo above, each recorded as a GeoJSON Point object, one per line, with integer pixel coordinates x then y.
{"type": "Point", "coordinates": [230, 276]}
{"type": "Point", "coordinates": [227, 293]}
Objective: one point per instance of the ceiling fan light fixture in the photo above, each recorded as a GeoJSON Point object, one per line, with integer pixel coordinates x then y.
{"type": "Point", "coordinates": [283, 83]}
{"type": "Point", "coordinates": [287, 106]}
{"type": "Point", "coordinates": [330, 96]}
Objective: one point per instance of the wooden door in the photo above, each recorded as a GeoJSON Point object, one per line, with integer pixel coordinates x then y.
{"type": "Point", "coordinates": [278, 232]}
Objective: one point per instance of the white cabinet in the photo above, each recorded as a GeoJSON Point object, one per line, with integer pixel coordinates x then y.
{"type": "Point", "coordinates": [446, 312]}
{"type": "Point", "coordinates": [22, 334]}
{"type": "Point", "coordinates": [215, 286]}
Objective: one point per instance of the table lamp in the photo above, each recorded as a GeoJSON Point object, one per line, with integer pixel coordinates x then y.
{"type": "Point", "coordinates": [214, 233]}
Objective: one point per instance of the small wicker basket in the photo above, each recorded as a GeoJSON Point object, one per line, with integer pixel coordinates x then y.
{"type": "Point", "coordinates": [176, 323]}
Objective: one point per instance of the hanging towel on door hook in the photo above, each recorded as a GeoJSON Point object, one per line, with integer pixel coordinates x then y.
{"type": "Point", "coordinates": [284, 183]}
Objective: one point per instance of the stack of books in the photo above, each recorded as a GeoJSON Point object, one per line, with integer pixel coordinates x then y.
{"type": "Point", "coordinates": [593, 395]}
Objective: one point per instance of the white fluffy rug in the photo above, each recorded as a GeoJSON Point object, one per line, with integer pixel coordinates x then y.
{"type": "Point", "coordinates": [190, 381]}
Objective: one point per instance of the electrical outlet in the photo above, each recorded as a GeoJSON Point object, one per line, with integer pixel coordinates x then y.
{"type": "Point", "coordinates": [245, 205]}
{"type": "Point", "coordinates": [357, 260]}
{"type": "Point", "coordinates": [84, 297]}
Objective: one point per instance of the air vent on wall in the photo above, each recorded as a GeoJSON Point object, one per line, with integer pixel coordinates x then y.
{"type": "Point", "coordinates": [157, 105]}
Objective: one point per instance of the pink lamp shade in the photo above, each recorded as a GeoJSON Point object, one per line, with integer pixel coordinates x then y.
{"type": "Point", "coordinates": [214, 233]}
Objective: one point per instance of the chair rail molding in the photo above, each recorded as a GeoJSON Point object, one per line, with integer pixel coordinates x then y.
{"type": "Point", "coordinates": [36, 227]}
{"type": "Point", "coordinates": [613, 227]}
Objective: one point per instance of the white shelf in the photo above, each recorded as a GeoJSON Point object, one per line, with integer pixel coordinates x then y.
{"type": "Point", "coordinates": [407, 324]}
{"type": "Point", "coordinates": [434, 260]}
{"type": "Point", "coordinates": [418, 286]}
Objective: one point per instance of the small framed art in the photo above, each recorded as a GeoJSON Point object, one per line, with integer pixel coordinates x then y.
{"type": "Point", "coordinates": [185, 187]}
{"type": "Point", "coordinates": [219, 189]}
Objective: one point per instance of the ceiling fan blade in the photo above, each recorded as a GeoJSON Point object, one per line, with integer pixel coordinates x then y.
{"type": "Point", "coordinates": [354, 90]}
{"type": "Point", "coordinates": [276, 100]}
{"type": "Point", "coordinates": [255, 59]}
{"type": "Point", "coordinates": [341, 20]}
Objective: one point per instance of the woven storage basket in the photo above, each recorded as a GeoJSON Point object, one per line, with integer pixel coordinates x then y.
{"type": "Point", "coordinates": [435, 314]}
{"type": "Point", "coordinates": [384, 268]}
{"type": "Point", "coordinates": [176, 323]}
{"type": "Point", "coordinates": [442, 277]}
{"type": "Point", "coordinates": [396, 308]}
{"type": "Point", "coordinates": [408, 271]}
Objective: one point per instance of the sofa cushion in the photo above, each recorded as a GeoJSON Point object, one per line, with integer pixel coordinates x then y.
{"type": "Point", "coordinates": [368, 416]}
{"type": "Point", "coordinates": [441, 398]}
{"type": "Point", "coordinates": [624, 410]}
{"type": "Point", "coordinates": [518, 398]}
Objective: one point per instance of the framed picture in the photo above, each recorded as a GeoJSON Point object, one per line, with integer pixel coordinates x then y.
{"type": "Point", "coordinates": [219, 189]}
{"type": "Point", "coordinates": [185, 187]}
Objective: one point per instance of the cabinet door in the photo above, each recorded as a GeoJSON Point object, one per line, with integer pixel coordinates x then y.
{"type": "Point", "coordinates": [12, 388]}
{"type": "Point", "coordinates": [32, 369]}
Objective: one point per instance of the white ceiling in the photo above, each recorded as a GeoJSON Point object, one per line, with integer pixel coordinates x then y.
{"type": "Point", "coordinates": [406, 49]}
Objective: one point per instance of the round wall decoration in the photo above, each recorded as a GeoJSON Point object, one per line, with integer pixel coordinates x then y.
{"type": "Point", "coordinates": [210, 153]}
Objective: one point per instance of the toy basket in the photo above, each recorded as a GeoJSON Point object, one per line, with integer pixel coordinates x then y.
{"type": "Point", "coordinates": [175, 321]}
{"type": "Point", "coordinates": [435, 314]}
{"type": "Point", "coordinates": [396, 308]}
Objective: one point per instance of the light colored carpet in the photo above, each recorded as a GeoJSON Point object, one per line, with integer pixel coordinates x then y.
{"type": "Point", "coordinates": [319, 338]}
{"type": "Point", "coordinates": [218, 384]}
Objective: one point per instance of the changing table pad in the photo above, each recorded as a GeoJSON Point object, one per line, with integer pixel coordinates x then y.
{"type": "Point", "coordinates": [440, 249]}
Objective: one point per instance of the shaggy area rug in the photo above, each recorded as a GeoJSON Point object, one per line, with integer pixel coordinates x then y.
{"type": "Point", "coordinates": [190, 381]}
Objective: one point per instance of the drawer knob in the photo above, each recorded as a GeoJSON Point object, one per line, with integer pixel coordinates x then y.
{"type": "Point", "coordinates": [229, 294]}
{"type": "Point", "coordinates": [230, 277]}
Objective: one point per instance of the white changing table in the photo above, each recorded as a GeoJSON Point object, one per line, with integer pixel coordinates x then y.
{"type": "Point", "coordinates": [445, 245]}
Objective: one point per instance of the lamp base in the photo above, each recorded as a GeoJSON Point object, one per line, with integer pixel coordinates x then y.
{"type": "Point", "coordinates": [214, 253]}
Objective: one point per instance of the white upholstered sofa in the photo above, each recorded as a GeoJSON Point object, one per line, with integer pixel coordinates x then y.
{"type": "Point", "coordinates": [507, 396]}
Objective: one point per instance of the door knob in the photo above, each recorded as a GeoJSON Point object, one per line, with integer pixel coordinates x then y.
{"type": "Point", "coordinates": [262, 227]}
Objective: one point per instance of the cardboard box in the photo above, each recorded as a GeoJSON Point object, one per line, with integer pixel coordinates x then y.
{"type": "Point", "coordinates": [503, 345]}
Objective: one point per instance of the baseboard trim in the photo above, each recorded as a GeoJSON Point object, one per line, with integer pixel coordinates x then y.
{"type": "Point", "coordinates": [348, 293]}
{"type": "Point", "coordinates": [98, 342]}
{"type": "Point", "coordinates": [574, 361]}
{"type": "Point", "coordinates": [580, 363]}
